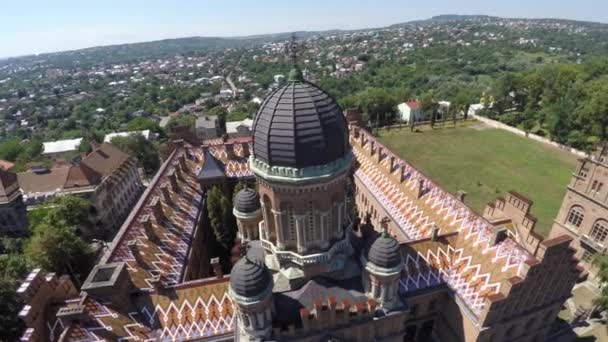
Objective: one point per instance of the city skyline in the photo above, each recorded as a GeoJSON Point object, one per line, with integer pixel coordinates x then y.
{"type": "Point", "coordinates": [32, 27]}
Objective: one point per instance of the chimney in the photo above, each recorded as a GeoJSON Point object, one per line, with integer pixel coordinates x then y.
{"type": "Point", "coordinates": [498, 235]}
{"type": "Point", "coordinates": [157, 209]}
{"type": "Point", "coordinates": [402, 174]}
{"type": "Point", "coordinates": [392, 164]}
{"type": "Point", "coordinates": [157, 283]}
{"type": "Point", "coordinates": [435, 233]}
{"type": "Point", "coordinates": [134, 248]}
{"type": "Point", "coordinates": [166, 194]}
{"type": "Point", "coordinates": [461, 195]}
{"type": "Point", "coordinates": [245, 147]}
{"type": "Point", "coordinates": [373, 148]}
{"type": "Point", "coordinates": [182, 162]}
{"type": "Point", "coordinates": [305, 317]}
{"type": "Point", "coordinates": [217, 267]}
{"type": "Point", "coordinates": [379, 154]}
{"type": "Point", "coordinates": [362, 140]}
{"type": "Point", "coordinates": [75, 313]}
{"type": "Point", "coordinates": [230, 151]}
{"type": "Point", "coordinates": [146, 221]}
{"type": "Point", "coordinates": [420, 187]}
{"type": "Point", "coordinates": [178, 173]}
{"type": "Point", "coordinates": [173, 180]}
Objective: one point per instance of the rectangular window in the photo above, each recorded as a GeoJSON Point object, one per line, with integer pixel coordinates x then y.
{"type": "Point", "coordinates": [583, 172]}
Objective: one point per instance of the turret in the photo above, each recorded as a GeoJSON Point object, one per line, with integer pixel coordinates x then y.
{"type": "Point", "coordinates": [248, 214]}
{"type": "Point", "coordinates": [251, 291]}
{"type": "Point", "coordinates": [382, 268]}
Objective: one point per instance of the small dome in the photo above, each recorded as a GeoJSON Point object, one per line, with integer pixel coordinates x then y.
{"type": "Point", "coordinates": [299, 125]}
{"type": "Point", "coordinates": [249, 278]}
{"type": "Point", "coordinates": [247, 201]}
{"type": "Point", "coordinates": [385, 252]}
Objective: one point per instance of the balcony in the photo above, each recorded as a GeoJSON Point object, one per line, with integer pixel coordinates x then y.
{"type": "Point", "coordinates": [288, 256]}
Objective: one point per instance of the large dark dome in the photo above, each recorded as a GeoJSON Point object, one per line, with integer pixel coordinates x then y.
{"type": "Point", "coordinates": [299, 125]}
{"type": "Point", "coordinates": [249, 278]}
{"type": "Point", "coordinates": [384, 252]}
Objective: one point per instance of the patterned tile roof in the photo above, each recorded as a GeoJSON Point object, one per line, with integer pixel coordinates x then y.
{"type": "Point", "coordinates": [188, 311]}
{"type": "Point", "coordinates": [156, 237]}
{"type": "Point", "coordinates": [471, 264]}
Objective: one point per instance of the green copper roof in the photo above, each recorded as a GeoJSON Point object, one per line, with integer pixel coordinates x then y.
{"type": "Point", "coordinates": [295, 75]}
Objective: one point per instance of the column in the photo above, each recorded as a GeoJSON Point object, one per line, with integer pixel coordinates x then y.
{"type": "Point", "coordinates": [340, 218]}
{"type": "Point", "coordinates": [324, 236]}
{"type": "Point", "coordinates": [300, 233]}
{"type": "Point", "coordinates": [278, 223]}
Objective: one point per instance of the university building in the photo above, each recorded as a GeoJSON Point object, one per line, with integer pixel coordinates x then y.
{"type": "Point", "coordinates": [341, 241]}
{"type": "Point", "coordinates": [584, 212]}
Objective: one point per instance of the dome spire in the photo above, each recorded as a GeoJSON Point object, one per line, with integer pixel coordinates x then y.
{"type": "Point", "coordinates": [295, 75]}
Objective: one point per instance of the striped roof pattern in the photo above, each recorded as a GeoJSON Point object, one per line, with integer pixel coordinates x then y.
{"type": "Point", "coordinates": [470, 264]}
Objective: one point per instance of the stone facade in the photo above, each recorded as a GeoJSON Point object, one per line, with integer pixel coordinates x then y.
{"type": "Point", "coordinates": [584, 211]}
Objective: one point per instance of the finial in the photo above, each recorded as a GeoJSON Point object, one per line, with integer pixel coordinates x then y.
{"type": "Point", "coordinates": [295, 75]}
{"type": "Point", "coordinates": [292, 50]}
{"type": "Point", "coordinates": [384, 225]}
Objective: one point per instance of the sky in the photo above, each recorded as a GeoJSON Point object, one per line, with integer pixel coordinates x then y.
{"type": "Point", "coordinates": [37, 26]}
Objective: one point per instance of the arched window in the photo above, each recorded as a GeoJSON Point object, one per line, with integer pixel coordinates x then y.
{"type": "Point", "coordinates": [575, 216]}
{"type": "Point", "coordinates": [599, 232]}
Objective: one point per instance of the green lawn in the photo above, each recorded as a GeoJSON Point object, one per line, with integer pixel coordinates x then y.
{"type": "Point", "coordinates": [486, 163]}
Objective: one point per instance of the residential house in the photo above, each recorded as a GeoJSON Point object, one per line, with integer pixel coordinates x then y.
{"type": "Point", "coordinates": [207, 127]}
{"type": "Point", "coordinates": [409, 111]}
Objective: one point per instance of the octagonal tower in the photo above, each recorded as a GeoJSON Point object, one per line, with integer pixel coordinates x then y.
{"type": "Point", "coordinates": [302, 159]}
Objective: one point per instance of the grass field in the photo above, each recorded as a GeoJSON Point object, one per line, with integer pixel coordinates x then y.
{"type": "Point", "coordinates": [486, 163]}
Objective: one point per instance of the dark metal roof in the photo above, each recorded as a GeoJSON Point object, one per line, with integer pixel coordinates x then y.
{"type": "Point", "coordinates": [299, 125]}
{"type": "Point", "coordinates": [212, 168]}
{"type": "Point", "coordinates": [249, 277]}
{"type": "Point", "coordinates": [247, 201]}
{"type": "Point", "coordinates": [385, 252]}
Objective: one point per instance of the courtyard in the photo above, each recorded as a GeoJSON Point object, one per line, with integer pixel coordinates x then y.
{"type": "Point", "coordinates": [486, 163]}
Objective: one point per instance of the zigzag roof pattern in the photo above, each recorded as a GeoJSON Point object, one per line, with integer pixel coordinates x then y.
{"type": "Point", "coordinates": [238, 165]}
{"type": "Point", "coordinates": [156, 237]}
{"type": "Point", "coordinates": [471, 265]}
{"type": "Point", "coordinates": [188, 311]}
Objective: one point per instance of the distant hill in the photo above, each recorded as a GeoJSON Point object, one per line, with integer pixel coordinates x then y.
{"type": "Point", "coordinates": [157, 49]}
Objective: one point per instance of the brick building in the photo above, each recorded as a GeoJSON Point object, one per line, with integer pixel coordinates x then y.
{"type": "Point", "coordinates": [584, 212]}
{"type": "Point", "coordinates": [420, 265]}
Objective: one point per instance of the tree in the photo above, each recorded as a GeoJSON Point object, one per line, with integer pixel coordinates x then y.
{"type": "Point", "coordinates": [601, 262]}
{"type": "Point", "coordinates": [69, 211]}
{"type": "Point", "coordinates": [11, 326]}
{"type": "Point", "coordinates": [379, 105]}
{"type": "Point", "coordinates": [429, 106]}
{"type": "Point", "coordinates": [142, 124]}
{"type": "Point", "coordinates": [10, 149]}
{"type": "Point", "coordinates": [137, 146]}
{"type": "Point", "coordinates": [58, 249]}
{"type": "Point", "coordinates": [221, 218]}
{"type": "Point", "coordinates": [595, 109]}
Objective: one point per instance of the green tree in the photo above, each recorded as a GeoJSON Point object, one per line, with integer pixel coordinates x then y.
{"type": "Point", "coordinates": [58, 249]}
{"type": "Point", "coordinates": [141, 124]}
{"type": "Point", "coordinates": [69, 211]}
{"type": "Point", "coordinates": [11, 326]}
{"type": "Point", "coordinates": [221, 218]}
{"type": "Point", "coordinates": [11, 149]}
{"type": "Point", "coordinates": [429, 106]}
{"type": "Point", "coordinates": [601, 262]}
{"type": "Point", "coordinates": [379, 105]}
{"type": "Point", "coordinates": [137, 146]}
